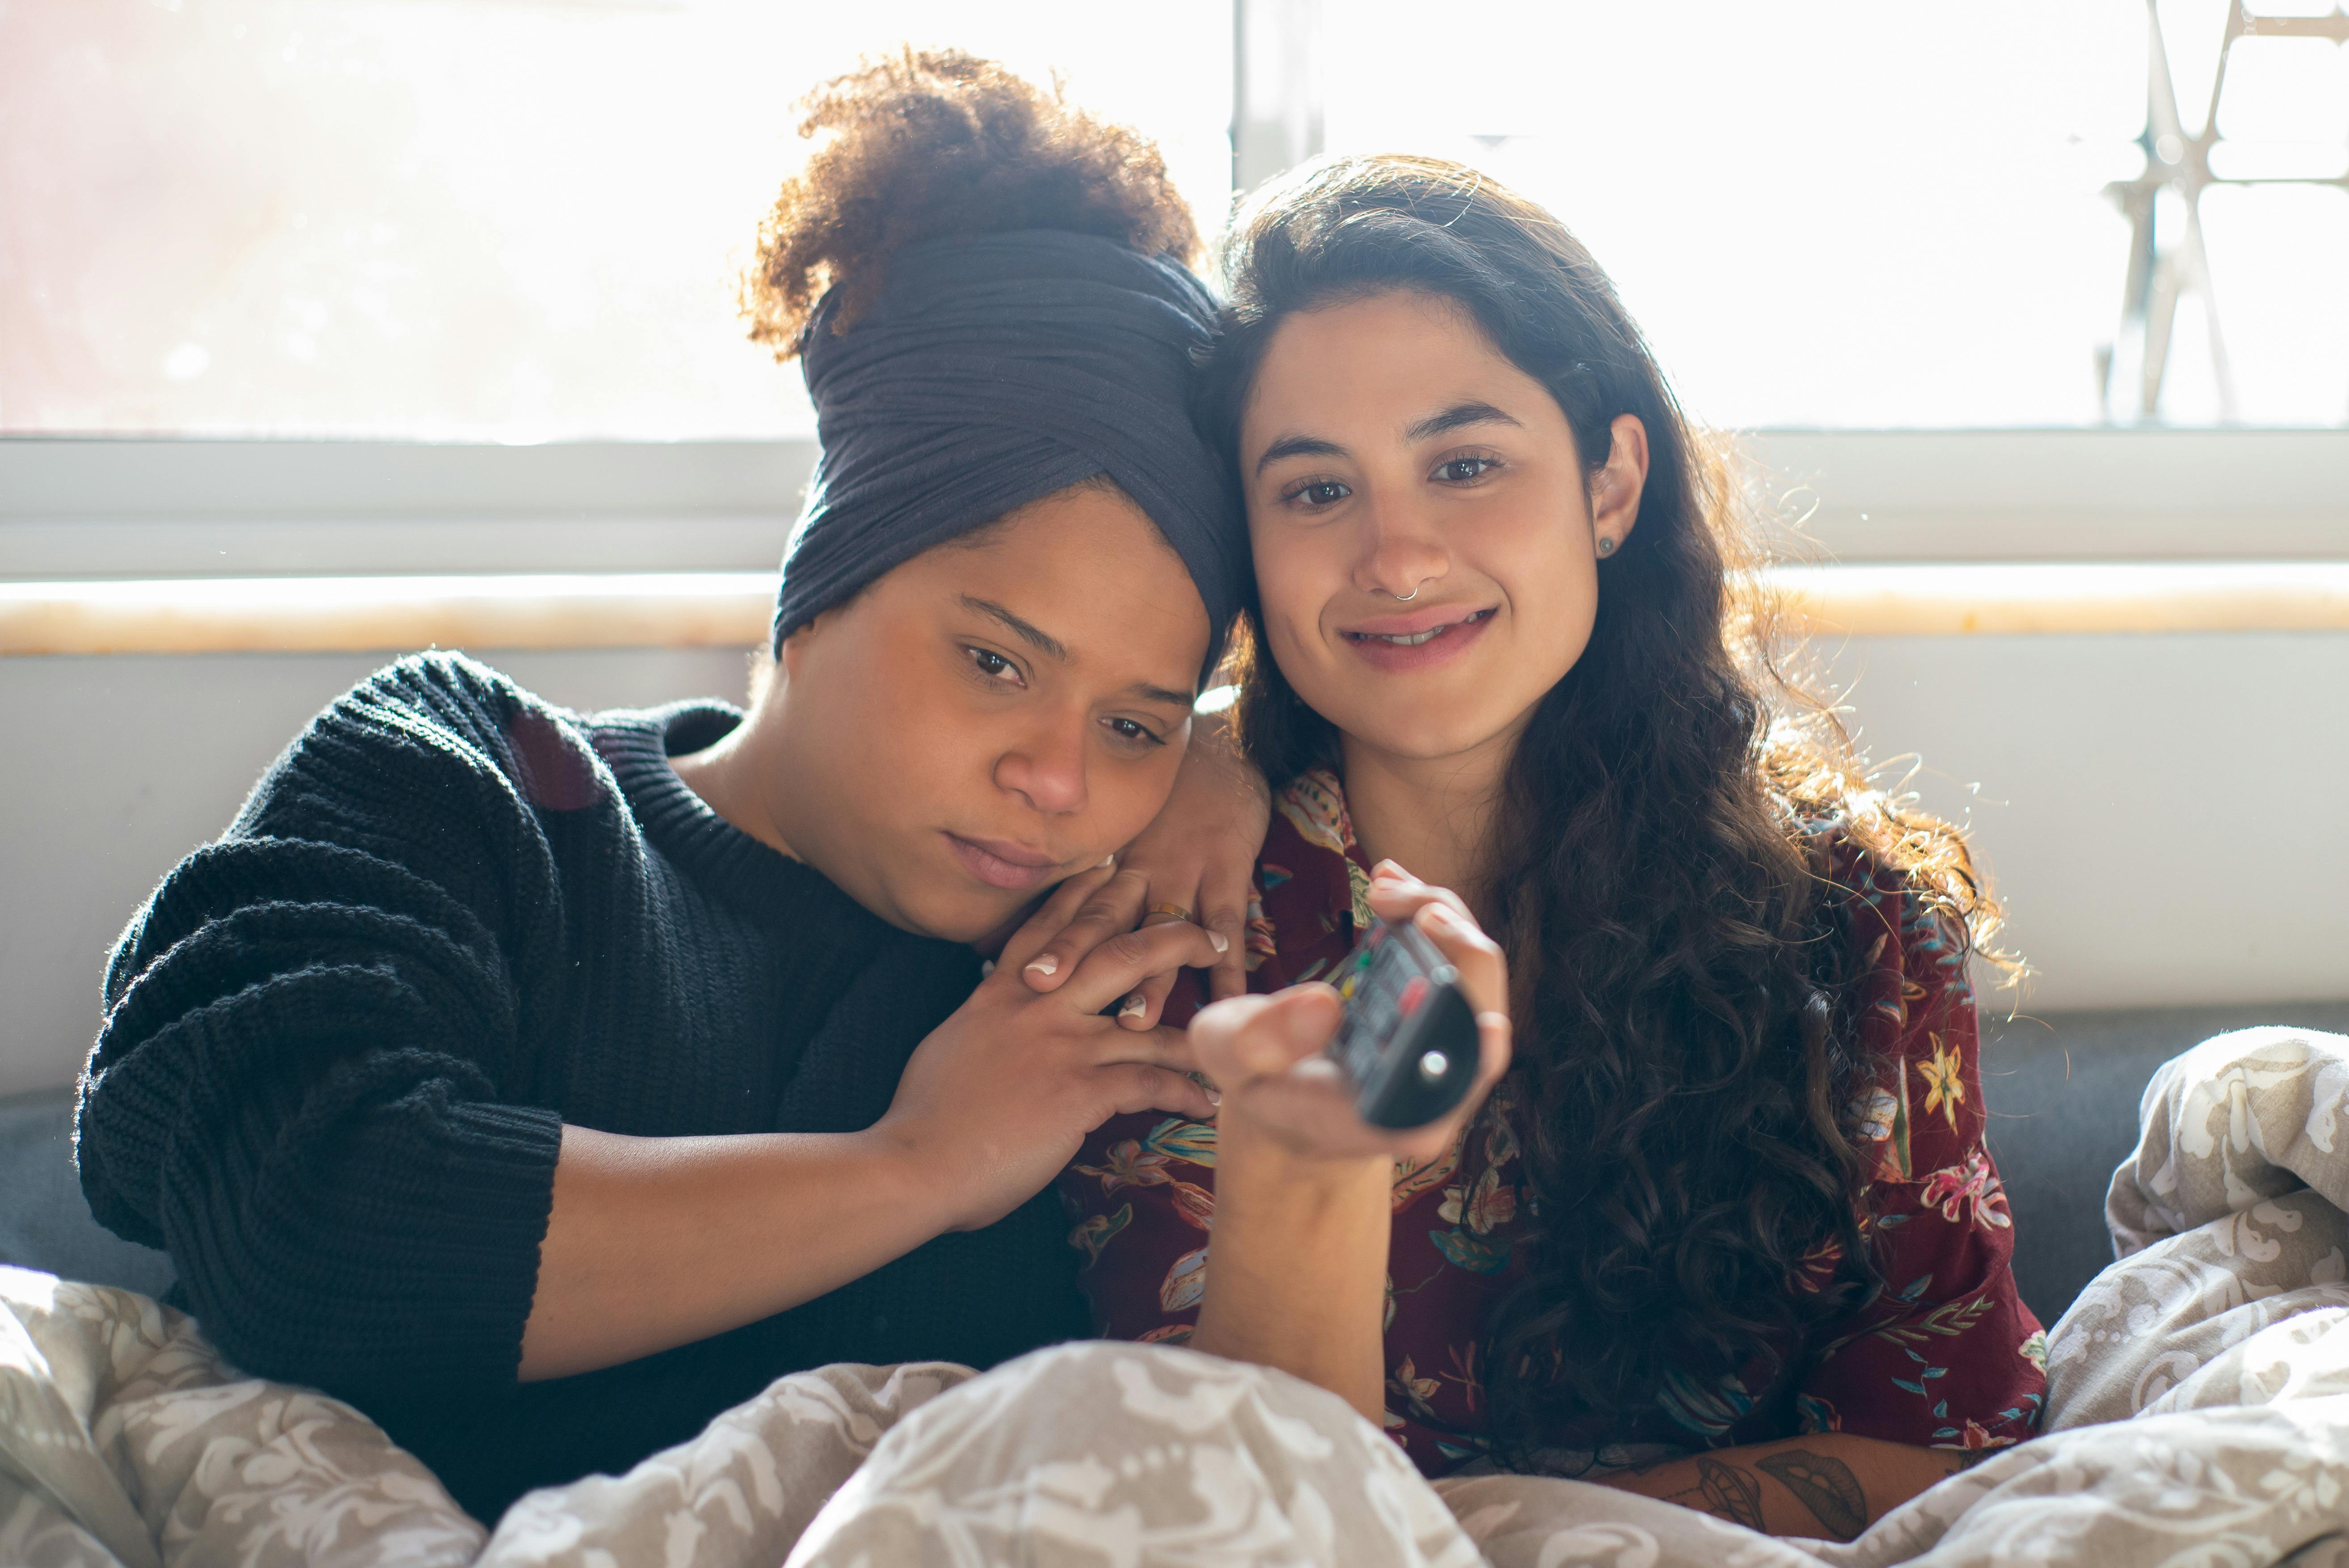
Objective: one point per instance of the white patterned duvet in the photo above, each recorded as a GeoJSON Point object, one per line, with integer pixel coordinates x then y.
{"type": "Point", "coordinates": [2197, 1415]}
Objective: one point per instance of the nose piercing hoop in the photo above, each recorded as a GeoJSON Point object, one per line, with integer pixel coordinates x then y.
{"type": "Point", "coordinates": [1405, 598]}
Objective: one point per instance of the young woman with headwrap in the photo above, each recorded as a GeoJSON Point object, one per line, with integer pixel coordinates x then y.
{"type": "Point", "coordinates": [547, 1083]}
{"type": "Point", "coordinates": [1727, 1230]}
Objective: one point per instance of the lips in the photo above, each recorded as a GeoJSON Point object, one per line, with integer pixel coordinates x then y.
{"type": "Point", "coordinates": [1001, 862]}
{"type": "Point", "coordinates": [1417, 624]}
{"type": "Point", "coordinates": [1420, 639]}
{"type": "Point", "coordinates": [1417, 641]}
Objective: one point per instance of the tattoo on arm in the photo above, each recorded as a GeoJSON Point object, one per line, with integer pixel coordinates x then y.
{"type": "Point", "coordinates": [1726, 1491]}
{"type": "Point", "coordinates": [1823, 1484]}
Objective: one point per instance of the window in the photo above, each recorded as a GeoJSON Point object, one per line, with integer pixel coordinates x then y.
{"type": "Point", "coordinates": [474, 220]}
{"type": "Point", "coordinates": [1894, 213]}
{"type": "Point", "coordinates": [521, 220]}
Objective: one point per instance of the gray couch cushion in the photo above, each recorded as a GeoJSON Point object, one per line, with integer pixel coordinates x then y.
{"type": "Point", "coordinates": [2062, 1091]}
{"type": "Point", "coordinates": [43, 1222]}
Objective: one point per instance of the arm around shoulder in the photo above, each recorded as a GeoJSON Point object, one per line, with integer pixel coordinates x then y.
{"type": "Point", "coordinates": [294, 1094]}
{"type": "Point", "coordinates": [298, 1085]}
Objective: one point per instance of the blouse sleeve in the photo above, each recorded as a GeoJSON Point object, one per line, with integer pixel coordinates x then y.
{"type": "Point", "coordinates": [1944, 1353]}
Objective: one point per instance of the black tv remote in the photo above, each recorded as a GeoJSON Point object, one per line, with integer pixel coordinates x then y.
{"type": "Point", "coordinates": [1408, 1039]}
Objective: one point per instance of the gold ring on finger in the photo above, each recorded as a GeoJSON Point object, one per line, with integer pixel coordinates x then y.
{"type": "Point", "coordinates": [1176, 910]}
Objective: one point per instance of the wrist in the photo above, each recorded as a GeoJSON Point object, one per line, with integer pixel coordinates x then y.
{"type": "Point", "coordinates": [1250, 1155]}
{"type": "Point", "coordinates": [899, 1169]}
{"type": "Point", "coordinates": [1263, 1181]}
{"type": "Point", "coordinates": [1214, 747]}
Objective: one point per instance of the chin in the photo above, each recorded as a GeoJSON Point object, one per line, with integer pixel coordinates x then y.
{"type": "Point", "coordinates": [1427, 735]}
{"type": "Point", "coordinates": [965, 919]}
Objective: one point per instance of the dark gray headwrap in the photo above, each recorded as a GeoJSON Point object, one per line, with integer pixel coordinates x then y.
{"type": "Point", "coordinates": [993, 371]}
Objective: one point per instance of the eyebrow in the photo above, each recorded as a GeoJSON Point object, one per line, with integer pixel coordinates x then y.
{"type": "Point", "coordinates": [1036, 637]}
{"type": "Point", "coordinates": [1159, 694]}
{"type": "Point", "coordinates": [1458, 416]}
{"type": "Point", "coordinates": [1297, 446]}
{"type": "Point", "coordinates": [1052, 647]}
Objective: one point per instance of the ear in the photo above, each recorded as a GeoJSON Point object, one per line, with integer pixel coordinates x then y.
{"type": "Point", "coordinates": [1615, 492]}
{"type": "Point", "coordinates": [794, 651]}
{"type": "Point", "coordinates": [772, 674]}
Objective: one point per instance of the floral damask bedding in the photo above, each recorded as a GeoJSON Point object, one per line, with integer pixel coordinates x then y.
{"type": "Point", "coordinates": [2197, 1414]}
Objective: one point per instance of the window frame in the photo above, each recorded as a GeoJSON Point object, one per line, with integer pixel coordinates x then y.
{"type": "Point", "coordinates": [112, 507]}
{"type": "Point", "coordinates": [134, 506]}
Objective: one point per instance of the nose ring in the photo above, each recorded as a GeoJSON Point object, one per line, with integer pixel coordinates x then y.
{"type": "Point", "coordinates": [1405, 598]}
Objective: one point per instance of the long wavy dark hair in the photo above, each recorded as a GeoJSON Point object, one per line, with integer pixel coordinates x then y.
{"type": "Point", "coordinates": [1687, 1030]}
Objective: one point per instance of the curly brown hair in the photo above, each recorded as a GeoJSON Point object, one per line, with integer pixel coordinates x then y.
{"type": "Point", "coordinates": [941, 144]}
{"type": "Point", "coordinates": [1686, 990]}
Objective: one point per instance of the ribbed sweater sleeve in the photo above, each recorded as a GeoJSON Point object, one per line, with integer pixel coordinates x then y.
{"type": "Point", "coordinates": [341, 1044]}
{"type": "Point", "coordinates": [306, 1086]}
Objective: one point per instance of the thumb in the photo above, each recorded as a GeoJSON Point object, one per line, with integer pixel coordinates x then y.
{"type": "Point", "coordinates": [1256, 1036]}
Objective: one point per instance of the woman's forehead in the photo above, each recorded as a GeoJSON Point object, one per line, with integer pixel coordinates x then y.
{"type": "Point", "coordinates": [1395, 359]}
{"type": "Point", "coordinates": [1082, 579]}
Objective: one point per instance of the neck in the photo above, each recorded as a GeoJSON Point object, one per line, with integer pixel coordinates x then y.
{"type": "Point", "coordinates": [726, 776]}
{"type": "Point", "coordinates": [1431, 815]}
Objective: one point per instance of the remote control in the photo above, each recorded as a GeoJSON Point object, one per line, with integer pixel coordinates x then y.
{"type": "Point", "coordinates": [1408, 1040]}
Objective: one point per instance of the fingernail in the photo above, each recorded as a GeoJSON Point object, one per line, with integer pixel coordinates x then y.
{"type": "Point", "coordinates": [1046, 964]}
{"type": "Point", "coordinates": [1388, 869]}
{"type": "Point", "coordinates": [1219, 941]}
{"type": "Point", "coordinates": [1134, 1006]}
{"type": "Point", "coordinates": [1214, 1096]}
{"type": "Point", "coordinates": [1109, 860]}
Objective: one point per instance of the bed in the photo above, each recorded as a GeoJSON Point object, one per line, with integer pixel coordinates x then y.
{"type": "Point", "coordinates": [2199, 1395]}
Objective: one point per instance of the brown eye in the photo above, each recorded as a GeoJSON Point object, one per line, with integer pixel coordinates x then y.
{"type": "Point", "coordinates": [994, 666]}
{"type": "Point", "coordinates": [1320, 493]}
{"type": "Point", "coordinates": [1127, 731]}
{"type": "Point", "coordinates": [1461, 471]}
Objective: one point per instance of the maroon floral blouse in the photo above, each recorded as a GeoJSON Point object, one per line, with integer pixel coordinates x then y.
{"type": "Point", "coordinates": [1945, 1356]}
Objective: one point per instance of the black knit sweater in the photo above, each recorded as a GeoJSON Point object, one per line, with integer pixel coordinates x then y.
{"type": "Point", "coordinates": [341, 1042]}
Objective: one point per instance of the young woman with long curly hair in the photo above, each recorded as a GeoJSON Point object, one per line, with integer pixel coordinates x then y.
{"type": "Point", "coordinates": [1725, 1230]}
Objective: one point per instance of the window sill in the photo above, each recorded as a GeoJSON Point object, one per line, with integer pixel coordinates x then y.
{"type": "Point", "coordinates": [731, 609]}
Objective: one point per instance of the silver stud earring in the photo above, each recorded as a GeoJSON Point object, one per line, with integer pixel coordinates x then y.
{"type": "Point", "coordinates": [1606, 548]}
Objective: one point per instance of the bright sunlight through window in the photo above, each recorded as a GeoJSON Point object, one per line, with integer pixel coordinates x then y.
{"type": "Point", "coordinates": [521, 220]}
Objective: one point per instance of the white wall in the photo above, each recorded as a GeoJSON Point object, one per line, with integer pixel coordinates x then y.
{"type": "Point", "coordinates": [119, 766]}
{"type": "Point", "coordinates": [2168, 817]}
{"type": "Point", "coordinates": [2165, 817]}
{"type": "Point", "coordinates": [123, 765]}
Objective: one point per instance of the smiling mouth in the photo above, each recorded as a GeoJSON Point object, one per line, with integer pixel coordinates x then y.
{"type": "Point", "coordinates": [1414, 639]}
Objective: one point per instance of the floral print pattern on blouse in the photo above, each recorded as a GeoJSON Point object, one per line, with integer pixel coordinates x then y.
{"type": "Point", "coordinates": [1944, 1355]}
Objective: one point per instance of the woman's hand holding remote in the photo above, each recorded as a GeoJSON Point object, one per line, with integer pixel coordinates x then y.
{"type": "Point", "coordinates": [1000, 1096]}
{"type": "Point", "coordinates": [1265, 1053]}
{"type": "Point", "coordinates": [1297, 1277]}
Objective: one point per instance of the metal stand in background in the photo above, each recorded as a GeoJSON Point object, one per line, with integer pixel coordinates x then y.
{"type": "Point", "coordinates": [2160, 274]}
{"type": "Point", "coordinates": [1276, 88]}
